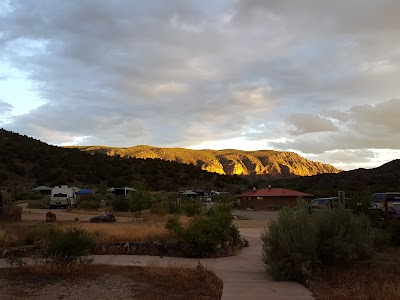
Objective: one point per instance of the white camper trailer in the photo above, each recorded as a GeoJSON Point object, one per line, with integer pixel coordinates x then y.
{"type": "Point", "coordinates": [62, 196]}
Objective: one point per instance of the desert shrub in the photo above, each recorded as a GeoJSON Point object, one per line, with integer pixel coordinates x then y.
{"type": "Point", "coordinates": [89, 204]}
{"type": "Point", "coordinates": [7, 238]}
{"type": "Point", "coordinates": [160, 208]}
{"type": "Point", "coordinates": [298, 242]}
{"type": "Point", "coordinates": [41, 203]}
{"type": "Point", "coordinates": [37, 234]}
{"type": "Point", "coordinates": [68, 246]}
{"type": "Point", "coordinates": [120, 204]}
{"type": "Point", "coordinates": [192, 208]}
{"type": "Point", "coordinates": [174, 208]}
{"type": "Point", "coordinates": [204, 235]}
{"type": "Point", "coordinates": [139, 201]}
{"type": "Point", "coordinates": [7, 198]}
{"type": "Point", "coordinates": [343, 236]}
{"type": "Point", "coordinates": [173, 224]}
{"type": "Point", "coordinates": [200, 238]}
{"type": "Point", "coordinates": [290, 245]}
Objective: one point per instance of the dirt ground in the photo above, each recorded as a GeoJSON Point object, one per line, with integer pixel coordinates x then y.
{"type": "Point", "coordinates": [109, 282]}
{"type": "Point", "coordinates": [245, 219]}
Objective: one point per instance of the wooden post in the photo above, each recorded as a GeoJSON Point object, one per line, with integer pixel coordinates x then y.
{"type": "Point", "coordinates": [386, 213]}
{"type": "Point", "coordinates": [342, 198]}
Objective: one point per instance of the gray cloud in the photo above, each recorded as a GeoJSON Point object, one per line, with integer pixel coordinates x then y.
{"type": "Point", "coordinates": [307, 123]}
{"type": "Point", "coordinates": [124, 73]}
{"type": "Point", "coordinates": [362, 126]}
{"type": "Point", "coordinates": [5, 107]}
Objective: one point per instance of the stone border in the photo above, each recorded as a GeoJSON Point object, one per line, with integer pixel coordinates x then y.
{"type": "Point", "coordinates": [133, 248]}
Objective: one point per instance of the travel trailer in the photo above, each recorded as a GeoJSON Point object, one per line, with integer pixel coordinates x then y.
{"type": "Point", "coordinates": [62, 196]}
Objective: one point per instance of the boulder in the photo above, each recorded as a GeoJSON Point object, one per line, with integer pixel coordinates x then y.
{"type": "Point", "coordinates": [51, 217]}
{"type": "Point", "coordinates": [104, 217]}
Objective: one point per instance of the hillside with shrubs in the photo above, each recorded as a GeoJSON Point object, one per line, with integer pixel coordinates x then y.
{"type": "Point", "coordinates": [26, 162]}
{"type": "Point", "coordinates": [381, 179]}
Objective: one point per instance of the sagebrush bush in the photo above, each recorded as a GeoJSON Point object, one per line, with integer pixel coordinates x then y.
{"type": "Point", "coordinates": [298, 242]}
{"type": "Point", "coordinates": [68, 246]}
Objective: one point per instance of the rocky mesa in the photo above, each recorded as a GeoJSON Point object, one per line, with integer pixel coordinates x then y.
{"type": "Point", "coordinates": [272, 164]}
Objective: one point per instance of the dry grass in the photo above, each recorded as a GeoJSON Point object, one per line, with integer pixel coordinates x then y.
{"type": "Point", "coordinates": [250, 223]}
{"type": "Point", "coordinates": [127, 232]}
{"type": "Point", "coordinates": [146, 228]}
{"type": "Point", "coordinates": [7, 238]}
{"type": "Point", "coordinates": [372, 280]}
{"type": "Point", "coordinates": [140, 283]}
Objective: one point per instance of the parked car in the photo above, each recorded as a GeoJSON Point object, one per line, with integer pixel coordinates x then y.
{"type": "Point", "coordinates": [321, 203]}
{"type": "Point", "coordinates": [378, 215]}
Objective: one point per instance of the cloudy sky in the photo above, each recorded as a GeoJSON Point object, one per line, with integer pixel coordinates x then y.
{"type": "Point", "coordinates": [321, 78]}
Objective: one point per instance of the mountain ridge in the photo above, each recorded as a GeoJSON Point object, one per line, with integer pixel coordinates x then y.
{"type": "Point", "coordinates": [271, 163]}
{"type": "Point", "coordinates": [26, 162]}
{"type": "Point", "coordinates": [385, 178]}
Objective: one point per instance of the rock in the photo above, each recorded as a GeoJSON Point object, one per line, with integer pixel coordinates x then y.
{"type": "Point", "coordinates": [51, 217]}
{"type": "Point", "coordinates": [104, 217]}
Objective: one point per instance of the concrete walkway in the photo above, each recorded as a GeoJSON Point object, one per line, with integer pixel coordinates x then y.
{"type": "Point", "coordinates": [244, 275]}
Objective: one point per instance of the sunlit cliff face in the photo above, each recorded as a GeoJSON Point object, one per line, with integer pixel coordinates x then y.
{"type": "Point", "coordinates": [272, 163]}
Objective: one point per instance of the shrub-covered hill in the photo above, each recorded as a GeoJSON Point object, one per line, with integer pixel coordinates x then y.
{"type": "Point", "coordinates": [385, 178]}
{"type": "Point", "coordinates": [269, 163]}
{"type": "Point", "coordinates": [26, 162]}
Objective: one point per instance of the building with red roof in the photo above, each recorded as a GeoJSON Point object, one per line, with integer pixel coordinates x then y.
{"type": "Point", "coordinates": [270, 198]}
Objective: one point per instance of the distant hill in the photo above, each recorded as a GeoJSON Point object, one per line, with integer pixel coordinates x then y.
{"type": "Point", "coordinates": [271, 164]}
{"type": "Point", "coordinates": [385, 178]}
{"type": "Point", "coordinates": [26, 162]}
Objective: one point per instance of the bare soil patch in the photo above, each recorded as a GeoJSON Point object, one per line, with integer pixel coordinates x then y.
{"type": "Point", "coordinates": [108, 282]}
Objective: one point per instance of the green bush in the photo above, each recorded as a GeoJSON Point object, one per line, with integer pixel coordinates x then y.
{"type": "Point", "coordinates": [174, 208]}
{"type": "Point", "coordinates": [204, 235]}
{"type": "Point", "coordinates": [120, 204]}
{"type": "Point", "coordinates": [68, 246]}
{"type": "Point", "coordinates": [192, 208]}
{"type": "Point", "coordinates": [139, 201]}
{"type": "Point", "coordinates": [298, 242]}
{"type": "Point", "coordinates": [174, 224]}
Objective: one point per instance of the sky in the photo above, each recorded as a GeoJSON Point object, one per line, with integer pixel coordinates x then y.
{"type": "Point", "coordinates": [320, 78]}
